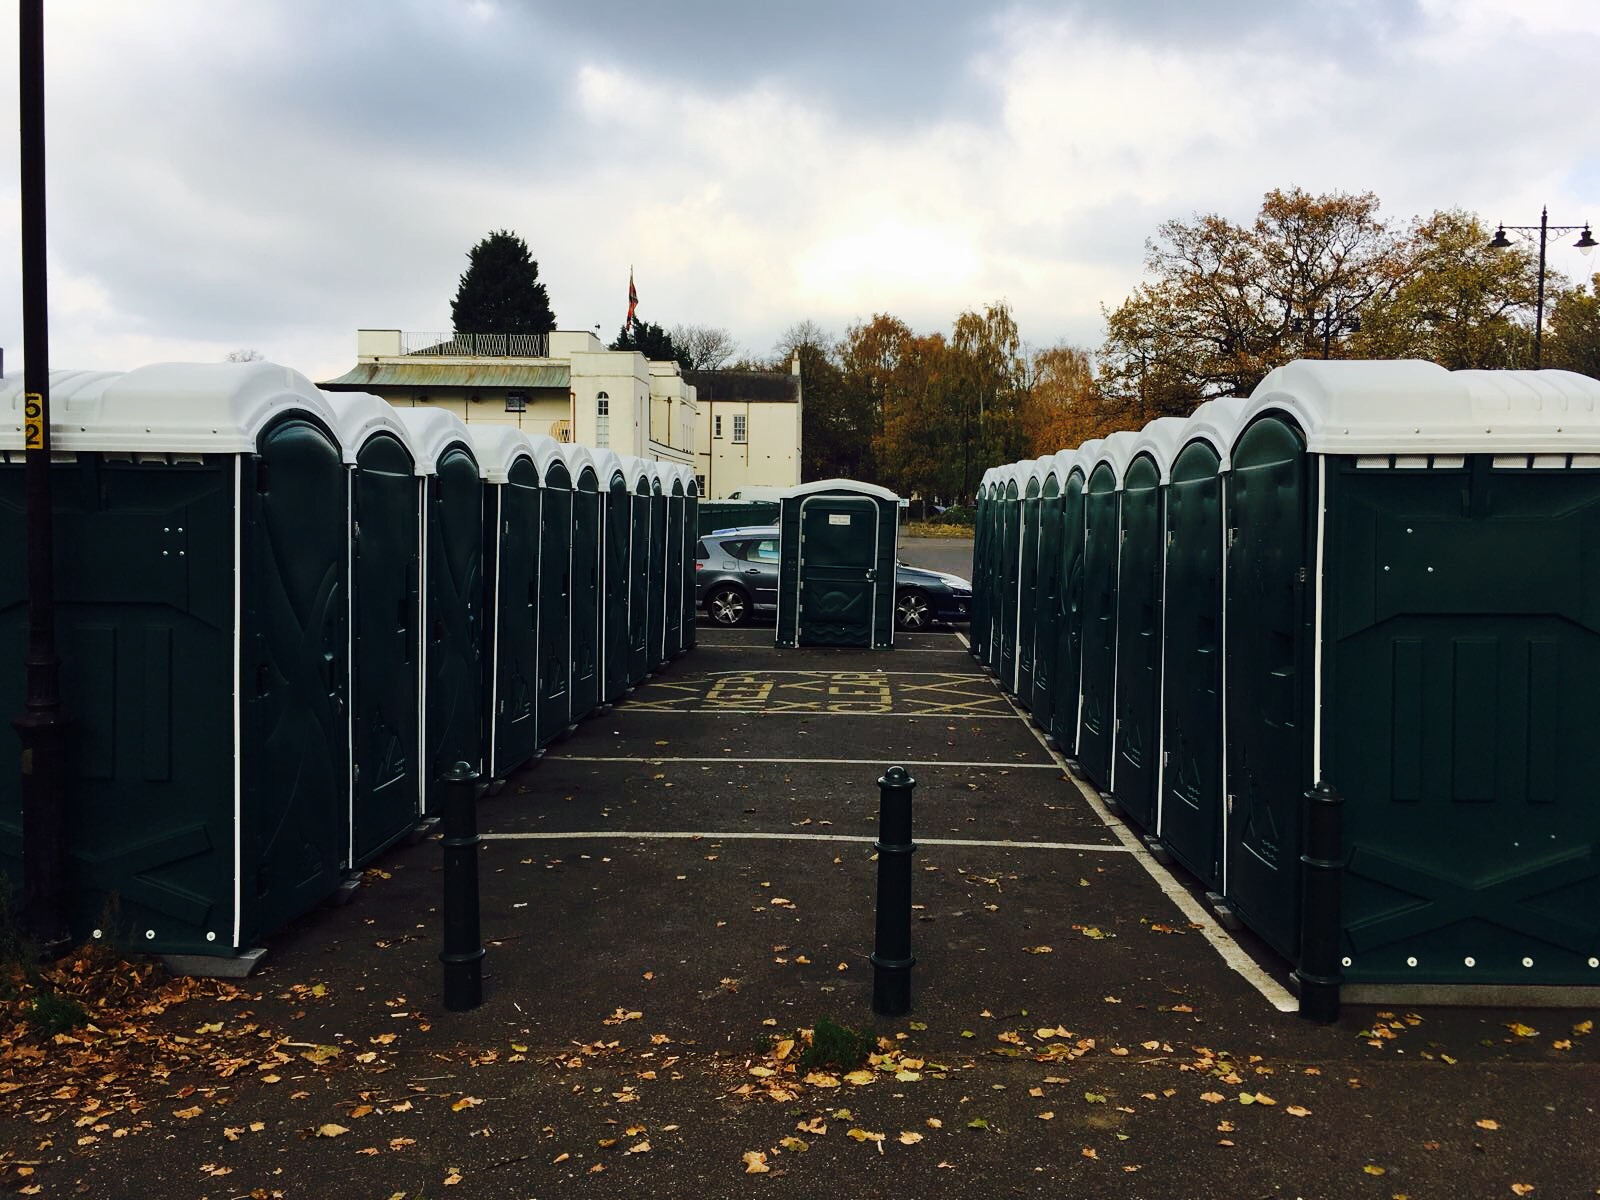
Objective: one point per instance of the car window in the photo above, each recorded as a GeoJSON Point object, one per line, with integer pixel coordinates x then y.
{"type": "Point", "coordinates": [766, 550]}
{"type": "Point", "coordinates": [700, 550]}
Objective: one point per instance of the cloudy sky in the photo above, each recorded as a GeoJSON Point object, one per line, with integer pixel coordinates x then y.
{"type": "Point", "coordinates": [275, 174]}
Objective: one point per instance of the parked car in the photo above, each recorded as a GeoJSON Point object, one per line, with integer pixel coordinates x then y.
{"type": "Point", "coordinates": [736, 574]}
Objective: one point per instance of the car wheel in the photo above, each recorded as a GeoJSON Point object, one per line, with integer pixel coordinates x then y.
{"type": "Point", "coordinates": [912, 611]}
{"type": "Point", "coordinates": [728, 606]}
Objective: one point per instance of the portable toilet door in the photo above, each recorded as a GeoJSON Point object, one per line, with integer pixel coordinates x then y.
{"type": "Point", "coordinates": [837, 547]}
{"type": "Point", "coordinates": [657, 628]}
{"type": "Point", "coordinates": [555, 591]}
{"type": "Point", "coordinates": [978, 632]}
{"type": "Point", "coordinates": [691, 527]}
{"type": "Point", "coordinates": [1067, 706]}
{"type": "Point", "coordinates": [511, 605]}
{"type": "Point", "coordinates": [616, 523]}
{"type": "Point", "coordinates": [1102, 531]}
{"type": "Point", "coordinates": [638, 471]}
{"type": "Point", "coordinates": [1192, 744]}
{"type": "Point", "coordinates": [1008, 572]}
{"type": "Point", "coordinates": [672, 485]}
{"type": "Point", "coordinates": [587, 552]}
{"type": "Point", "coordinates": [1028, 580]}
{"type": "Point", "coordinates": [385, 623]}
{"type": "Point", "coordinates": [202, 623]}
{"type": "Point", "coordinates": [452, 598]}
{"type": "Point", "coordinates": [1047, 596]}
{"type": "Point", "coordinates": [1136, 742]}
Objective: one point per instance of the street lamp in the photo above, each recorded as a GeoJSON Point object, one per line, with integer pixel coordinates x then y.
{"type": "Point", "coordinates": [1330, 323]}
{"type": "Point", "coordinates": [1544, 229]}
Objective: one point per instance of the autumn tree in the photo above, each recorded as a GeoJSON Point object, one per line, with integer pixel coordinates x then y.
{"type": "Point", "coordinates": [1454, 301]}
{"type": "Point", "coordinates": [1572, 340]}
{"type": "Point", "coordinates": [988, 388]}
{"type": "Point", "coordinates": [500, 290]}
{"type": "Point", "coordinates": [1062, 408]}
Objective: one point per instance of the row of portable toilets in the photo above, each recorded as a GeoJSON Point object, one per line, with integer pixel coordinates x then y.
{"type": "Point", "coordinates": [1382, 576]}
{"type": "Point", "coordinates": [284, 614]}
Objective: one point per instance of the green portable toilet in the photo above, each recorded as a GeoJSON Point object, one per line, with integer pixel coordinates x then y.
{"type": "Point", "coordinates": [385, 651]}
{"type": "Point", "coordinates": [837, 554]}
{"type": "Point", "coordinates": [1067, 706]}
{"type": "Point", "coordinates": [1102, 535]}
{"type": "Point", "coordinates": [657, 627]}
{"type": "Point", "coordinates": [993, 581]}
{"type": "Point", "coordinates": [978, 626]}
{"type": "Point", "coordinates": [1413, 616]}
{"type": "Point", "coordinates": [1047, 595]}
{"type": "Point", "coordinates": [1008, 574]}
{"type": "Point", "coordinates": [638, 474]}
{"type": "Point", "coordinates": [691, 524]}
{"type": "Point", "coordinates": [1136, 741]}
{"type": "Point", "coordinates": [587, 552]}
{"type": "Point", "coordinates": [452, 597]}
{"type": "Point", "coordinates": [677, 509]}
{"type": "Point", "coordinates": [201, 619]}
{"type": "Point", "coordinates": [1033, 474]}
{"type": "Point", "coordinates": [1192, 796]}
{"type": "Point", "coordinates": [511, 595]}
{"type": "Point", "coordinates": [554, 716]}
{"type": "Point", "coordinates": [615, 526]}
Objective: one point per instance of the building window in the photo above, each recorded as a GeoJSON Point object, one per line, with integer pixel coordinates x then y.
{"type": "Point", "coordinates": [738, 427]}
{"type": "Point", "coordinates": [716, 426]}
{"type": "Point", "coordinates": [700, 484]}
{"type": "Point", "coordinates": [602, 420]}
{"type": "Point", "coordinates": [516, 402]}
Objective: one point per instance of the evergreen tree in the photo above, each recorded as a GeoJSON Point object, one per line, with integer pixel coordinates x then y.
{"type": "Point", "coordinates": [652, 341]}
{"type": "Point", "coordinates": [500, 291]}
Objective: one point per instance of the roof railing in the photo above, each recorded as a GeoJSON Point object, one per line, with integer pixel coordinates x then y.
{"type": "Point", "coordinates": [476, 345]}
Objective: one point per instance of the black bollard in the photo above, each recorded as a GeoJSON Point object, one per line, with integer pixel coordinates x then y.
{"type": "Point", "coordinates": [1321, 877]}
{"type": "Point", "coordinates": [463, 943]}
{"type": "Point", "coordinates": [892, 959]}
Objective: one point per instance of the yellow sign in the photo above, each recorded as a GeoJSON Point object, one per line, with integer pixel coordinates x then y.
{"type": "Point", "coordinates": [33, 421]}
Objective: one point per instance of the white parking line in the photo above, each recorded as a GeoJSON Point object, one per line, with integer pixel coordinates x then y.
{"type": "Point", "coordinates": [816, 762]}
{"type": "Point", "coordinates": [1231, 952]}
{"type": "Point", "coordinates": [656, 835]}
{"type": "Point", "coordinates": [637, 706]}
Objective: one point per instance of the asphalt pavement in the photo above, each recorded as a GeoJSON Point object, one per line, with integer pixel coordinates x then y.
{"type": "Point", "coordinates": [686, 885]}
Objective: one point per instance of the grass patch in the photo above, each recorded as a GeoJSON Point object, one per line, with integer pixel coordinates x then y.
{"type": "Point", "coordinates": [835, 1045]}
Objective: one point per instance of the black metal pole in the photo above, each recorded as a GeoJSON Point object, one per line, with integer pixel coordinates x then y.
{"type": "Point", "coordinates": [892, 959]}
{"type": "Point", "coordinates": [463, 942]}
{"type": "Point", "coordinates": [1321, 877]}
{"type": "Point", "coordinates": [1538, 312]}
{"type": "Point", "coordinates": [42, 727]}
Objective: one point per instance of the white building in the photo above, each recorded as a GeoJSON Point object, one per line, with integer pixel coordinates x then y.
{"type": "Point", "coordinates": [750, 427]}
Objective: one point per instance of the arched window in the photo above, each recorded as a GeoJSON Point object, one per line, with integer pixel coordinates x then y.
{"type": "Point", "coordinates": [602, 420]}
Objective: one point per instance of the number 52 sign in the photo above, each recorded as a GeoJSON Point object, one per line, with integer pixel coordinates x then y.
{"type": "Point", "coordinates": [33, 421]}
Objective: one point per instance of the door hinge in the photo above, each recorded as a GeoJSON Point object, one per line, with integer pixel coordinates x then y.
{"type": "Point", "coordinates": [1302, 575]}
{"type": "Point", "coordinates": [1230, 803]}
{"type": "Point", "coordinates": [1233, 533]}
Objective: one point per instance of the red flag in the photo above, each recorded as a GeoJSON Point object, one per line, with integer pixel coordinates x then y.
{"type": "Point", "coordinates": [633, 300]}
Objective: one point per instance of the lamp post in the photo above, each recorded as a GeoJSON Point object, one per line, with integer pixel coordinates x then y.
{"type": "Point", "coordinates": [1330, 322]}
{"type": "Point", "coordinates": [1544, 229]}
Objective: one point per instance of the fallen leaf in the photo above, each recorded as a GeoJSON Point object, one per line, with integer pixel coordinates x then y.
{"type": "Point", "coordinates": [330, 1130]}
{"type": "Point", "coordinates": [1487, 1123]}
{"type": "Point", "coordinates": [186, 1114]}
{"type": "Point", "coordinates": [1212, 1097]}
{"type": "Point", "coordinates": [1522, 1031]}
{"type": "Point", "coordinates": [1370, 1169]}
{"type": "Point", "coordinates": [755, 1162]}
{"type": "Point", "coordinates": [639, 1148]}
{"type": "Point", "coordinates": [909, 1138]}
{"type": "Point", "coordinates": [1294, 1110]}
{"type": "Point", "coordinates": [1047, 1116]}
{"type": "Point", "coordinates": [1522, 1189]}
{"type": "Point", "coordinates": [464, 1103]}
{"type": "Point", "coordinates": [794, 1144]}
{"type": "Point", "coordinates": [1089, 1152]}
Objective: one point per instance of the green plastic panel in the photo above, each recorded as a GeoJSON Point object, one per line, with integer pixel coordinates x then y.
{"type": "Point", "coordinates": [978, 629]}
{"type": "Point", "coordinates": [639, 585]}
{"type": "Point", "coordinates": [1269, 504]}
{"type": "Point", "coordinates": [614, 640]}
{"type": "Point", "coordinates": [1462, 650]}
{"type": "Point", "coordinates": [1008, 571]}
{"type": "Point", "coordinates": [1047, 605]}
{"type": "Point", "coordinates": [673, 580]}
{"type": "Point", "coordinates": [453, 674]}
{"type": "Point", "coordinates": [1069, 627]}
{"type": "Point", "coordinates": [1099, 662]}
{"type": "Point", "coordinates": [586, 598]}
{"type": "Point", "coordinates": [514, 567]}
{"type": "Point", "coordinates": [555, 604]}
{"type": "Point", "coordinates": [386, 658]}
{"type": "Point", "coordinates": [733, 514]}
{"type": "Point", "coordinates": [1192, 794]}
{"type": "Point", "coordinates": [656, 629]}
{"type": "Point", "coordinates": [838, 553]}
{"type": "Point", "coordinates": [1027, 589]}
{"type": "Point", "coordinates": [1137, 739]}
{"type": "Point", "coordinates": [691, 524]}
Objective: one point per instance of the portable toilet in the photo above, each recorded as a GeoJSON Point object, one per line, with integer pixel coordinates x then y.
{"type": "Point", "coordinates": [1192, 796]}
{"type": "Point", "coordinates": [978, 629]}
{"type": "Point", "coordinates": [511, 594]}
{"type": "Point", "coordinates": [994, 577]}
{"type": "Point", "coordinates": [656, 630]}
{"type": "Point", "coordinates": [385, 624]}
{"type": "Point", "coordinates": [691, 526]}
{"type": "Point", "coordinates": [1048, 593]}
{"type": "Point", "coordinates": [637, 471]}
{"type": "Point", "coordinates": [201, 619]}
{"type": "Point", "coordinates": [672, 485]}
{"type": "Point", "coordinates": [1074, 466]}
{"type": "Point", "coordinates": [836, 570]}
{"type": "Point", "coordinates": [554, 715]}
{"type": "Point", "coordinates": [452, 597]}
{"type": "Point", "coordinates": [1136, 740]}
{"type": "Point", "coordinates": [587, 552]}
{"type": "Point", "coordinates": [615, 525]}
{"type": "Point", "coordinates": [1033, 474]}
{"type": "Point", "coordinates": [1412, 600]}
{"type": "Point", "coordinates": [1008, 573]}
{"type": "Point", "coordinates": [1102, 531]}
